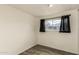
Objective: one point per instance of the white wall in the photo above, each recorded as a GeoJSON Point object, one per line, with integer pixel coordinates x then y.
{"type": "Point", "coordinates": [17, 30]}
{"type": "Point", "coordinates": [78, 29]}
{"type": "Point", "coordinates": [62, 41]}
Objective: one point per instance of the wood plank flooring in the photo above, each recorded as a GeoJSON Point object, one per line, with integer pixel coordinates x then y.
{"type": "Point", "coordinates": [42, 50]}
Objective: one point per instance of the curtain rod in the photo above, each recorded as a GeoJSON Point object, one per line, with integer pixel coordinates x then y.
{"type": "Point", "coordinates": [56, 17]}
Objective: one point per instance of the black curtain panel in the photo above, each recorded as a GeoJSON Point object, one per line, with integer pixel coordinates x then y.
{"type": "Point", "coordinates": [42, 25]}
{"type": "Point", "coordinates": [65, 24]}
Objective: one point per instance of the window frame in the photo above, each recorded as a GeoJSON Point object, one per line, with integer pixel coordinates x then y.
{"type": "Point", "coordinates": [52, 20]}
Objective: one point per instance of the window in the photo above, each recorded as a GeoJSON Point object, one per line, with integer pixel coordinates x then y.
{"type": "Point", "coordinates": [52, 24]}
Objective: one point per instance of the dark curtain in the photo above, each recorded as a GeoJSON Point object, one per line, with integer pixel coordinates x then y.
{"type": "Point", "coordinates": [42, 25]}
{"type": "Point", "coordinates": [65, 24]}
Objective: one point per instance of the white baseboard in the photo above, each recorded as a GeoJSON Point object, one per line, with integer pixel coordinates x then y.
{"type": "Point", "coordinates": [8, 53]}
{"type": "Point", "coordinates": [26, 49]}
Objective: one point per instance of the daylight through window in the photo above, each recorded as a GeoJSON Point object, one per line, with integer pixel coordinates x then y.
{"type": "Point", "coordinates": [52, 24]}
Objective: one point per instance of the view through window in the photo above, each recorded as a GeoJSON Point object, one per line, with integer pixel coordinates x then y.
{"type": "Point", "coordinates": [52, 24]}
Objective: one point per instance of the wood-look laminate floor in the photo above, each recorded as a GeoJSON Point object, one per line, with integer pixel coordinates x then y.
{"type": "Point", "coordinates": [42, 50]}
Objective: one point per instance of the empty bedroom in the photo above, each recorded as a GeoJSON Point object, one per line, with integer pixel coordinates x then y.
{"type": "Point", "coordinates": [39, 29]}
